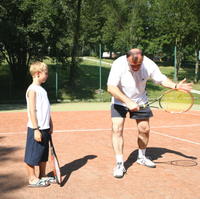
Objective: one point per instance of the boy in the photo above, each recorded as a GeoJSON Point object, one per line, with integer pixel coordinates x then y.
{"type": "Point", "coordinates": [39, 126]}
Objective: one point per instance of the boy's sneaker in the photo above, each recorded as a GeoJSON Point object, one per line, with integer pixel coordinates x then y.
{"type": "Point", "coordinates": [146, 162]}
{"type": "Point", "coordinates": [51, 180]}
{"type": "Point", "coordinates": [119, 170]}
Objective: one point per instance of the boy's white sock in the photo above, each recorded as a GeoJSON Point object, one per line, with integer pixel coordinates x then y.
{"type": "Point", "coordinates": [119, 158]}
{"type": "Point", "coordinates": [141, 153]}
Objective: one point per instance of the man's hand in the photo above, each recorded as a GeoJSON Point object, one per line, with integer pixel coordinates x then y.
{"type": "Point", "coordinates": [37, 135]}
{"type": "Point", "coordinates": [132, 106]}
{"type": "Point", "coordinates": [183, 85]}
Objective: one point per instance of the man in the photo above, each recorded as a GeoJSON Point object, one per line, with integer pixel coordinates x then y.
{"type": "Point", "coordinates": [127, 83]}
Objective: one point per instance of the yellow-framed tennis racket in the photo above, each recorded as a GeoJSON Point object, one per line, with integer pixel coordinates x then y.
{"type": "Point", "coordinates": [175, 100]}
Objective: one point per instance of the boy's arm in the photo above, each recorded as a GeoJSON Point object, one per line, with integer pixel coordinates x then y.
{"type": "Point", "coordinates": [33, 116]}
{"type": "Point", "coordinates": [51, 126]}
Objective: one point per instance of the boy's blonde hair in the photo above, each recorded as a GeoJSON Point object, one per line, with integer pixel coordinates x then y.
{"type": "Point", "coordinates": [37, 67]}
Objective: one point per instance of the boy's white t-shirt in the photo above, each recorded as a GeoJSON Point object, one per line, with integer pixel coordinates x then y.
{"type": "Point", "coordinates": [42, 107]}
{"type": "Point", "coordinates": [133, 84]}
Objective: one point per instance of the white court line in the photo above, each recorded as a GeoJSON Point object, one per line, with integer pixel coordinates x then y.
{"type": "Point", "coordinates": [104, 129]}
{"type": "Point", "coordinates": [109, 129]}
{"type": "Point", "coordinates": [60, 131]}
{"type": "Point", "coordinates": [192, 114]}
{"type": "Point", "coordinates": [176, 138]}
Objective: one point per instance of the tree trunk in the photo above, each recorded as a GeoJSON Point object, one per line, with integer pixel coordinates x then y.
{"type": "Point", "coordinates": [196, 75]}
{"type": "Point", "coordinates": [74, 54]}
{"type": "Point", "coordinates": [179, 57]}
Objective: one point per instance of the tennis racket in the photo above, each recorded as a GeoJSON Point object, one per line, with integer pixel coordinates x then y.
{"type": "Point", "coordinates": [174, 101]}
{"type": "Point", "coordinates": [55, 163]}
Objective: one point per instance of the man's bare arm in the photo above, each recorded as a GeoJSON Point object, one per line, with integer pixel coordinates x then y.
{"type": "Point", "coordinates": [181, 85]}
{"type": "Point", "coordinates": [116, 92]}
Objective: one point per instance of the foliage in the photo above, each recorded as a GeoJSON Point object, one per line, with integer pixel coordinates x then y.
{"type": "Point", "coordinates": [87, 85]}
{"type": "Point", "coordinates": [59, 29]}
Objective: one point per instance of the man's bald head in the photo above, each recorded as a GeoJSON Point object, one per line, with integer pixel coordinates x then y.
{"type": "Point", "coordinates": [135, 58]}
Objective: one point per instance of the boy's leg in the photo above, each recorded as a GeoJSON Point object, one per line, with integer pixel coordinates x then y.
{"type": "Point", "coordinates": [32, 178]}
{"type": "Point", "coordinates": [42, 173]}
{"type": "Point", "coordinates": [42, 169]}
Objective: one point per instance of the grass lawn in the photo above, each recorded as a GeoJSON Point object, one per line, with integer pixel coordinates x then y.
{"type": "Point", "coordinates": [90, 84]}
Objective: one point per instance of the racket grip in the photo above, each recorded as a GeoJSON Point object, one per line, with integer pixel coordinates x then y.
{"type": "Point", "coordinates": [142, 106]}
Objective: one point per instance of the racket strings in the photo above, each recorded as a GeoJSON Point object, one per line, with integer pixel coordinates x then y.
{"type": "Point", "coordinates": [176, 101]}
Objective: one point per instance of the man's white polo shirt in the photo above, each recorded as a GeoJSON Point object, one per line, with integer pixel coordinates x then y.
{"type": "Point", "coordinates": [131, 83]}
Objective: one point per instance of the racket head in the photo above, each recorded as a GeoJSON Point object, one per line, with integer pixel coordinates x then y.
{"type": "Point", "coordinates": [55, 164]}
{"type": "Point", "coordinates": [176, 101]}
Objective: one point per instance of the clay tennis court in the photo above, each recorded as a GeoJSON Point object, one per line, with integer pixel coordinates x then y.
{"type": "Point", "coordinates": [83, 144]}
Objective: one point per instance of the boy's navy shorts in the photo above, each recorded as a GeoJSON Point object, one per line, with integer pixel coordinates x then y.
{"type": "Point", "coordinates": [121, 111]}
{"type": "Point", "coordinates": [37, 152]}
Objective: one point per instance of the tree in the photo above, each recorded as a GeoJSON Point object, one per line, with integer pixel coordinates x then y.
{"type": "Point", "coordinates": [114, 34]}
{"type": "Point", "coordinates": [75, 46]}
{"type": "Point", "coordinates": [171, 18]}
{"type": "Point", "coordinates": [92, 21]}
{"type": "Point", "coordinates": [32, 30]}
{"type": "Point", "coordinates": [22, 35]}
{"type": "Point", "coordinates": [195, 33]}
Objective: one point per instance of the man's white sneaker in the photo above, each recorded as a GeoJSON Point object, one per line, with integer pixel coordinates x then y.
{"type": "Point", "coordinates": [146, 162]}
{"type": "Point", "coordinates": [119, 170]}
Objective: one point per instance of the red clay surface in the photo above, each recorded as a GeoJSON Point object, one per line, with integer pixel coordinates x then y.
{"type": "Point", "coordinates": [83, 145]}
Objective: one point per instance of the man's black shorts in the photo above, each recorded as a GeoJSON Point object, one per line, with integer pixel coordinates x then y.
{"type": "Point", "coordinates": [37, 152]}
{"type": "Point", "coordinates": [121, 111]}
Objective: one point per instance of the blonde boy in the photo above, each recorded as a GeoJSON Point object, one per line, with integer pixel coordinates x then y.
{"type": "Point", "coordinates": [39, 126]}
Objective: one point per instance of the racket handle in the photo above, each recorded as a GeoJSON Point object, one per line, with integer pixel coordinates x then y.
{"type": "Point", "coordinates": [142, 106]}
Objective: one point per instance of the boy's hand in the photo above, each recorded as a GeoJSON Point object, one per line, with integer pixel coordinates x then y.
{"type": "Point", "coordinates": [37, 136]}
{"type": "Point", "coordinates": [51, 131]}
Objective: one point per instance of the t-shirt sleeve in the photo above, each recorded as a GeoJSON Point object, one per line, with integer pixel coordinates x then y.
{"type": "Point", "coordinates": [114, 75]}
{"type": "Point", "coordinates": [156, 74]}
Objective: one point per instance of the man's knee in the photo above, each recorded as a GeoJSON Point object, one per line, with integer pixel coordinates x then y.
{"type": "Point", "coordinates": [116, 129]}
{"type": "Point", "coordinates": [143, 127]}
{"type": "Point", "coordinates": [117, 125]}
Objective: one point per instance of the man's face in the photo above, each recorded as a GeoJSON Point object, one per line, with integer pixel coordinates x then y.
{"type": "Point", "coordinates": [135, 61]}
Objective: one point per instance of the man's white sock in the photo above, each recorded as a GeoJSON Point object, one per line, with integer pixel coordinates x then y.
{"type": "Point", "coordinates": [119, 158]}
{"type": "Point", "coordinates": [141, 153]}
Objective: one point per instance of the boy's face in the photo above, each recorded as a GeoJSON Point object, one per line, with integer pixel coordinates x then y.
{"type": "Point", "coordinates": [43, 75]}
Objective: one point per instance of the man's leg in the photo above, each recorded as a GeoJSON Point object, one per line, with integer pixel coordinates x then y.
{"type": "Point", "coordinates": [143, 139]}
{"type": "Point", "coordinates": [117, 135]}
{"type": "Point", "coordinates": [143, 133]}
{"type": "Point", "coordinates": [118, 144]}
